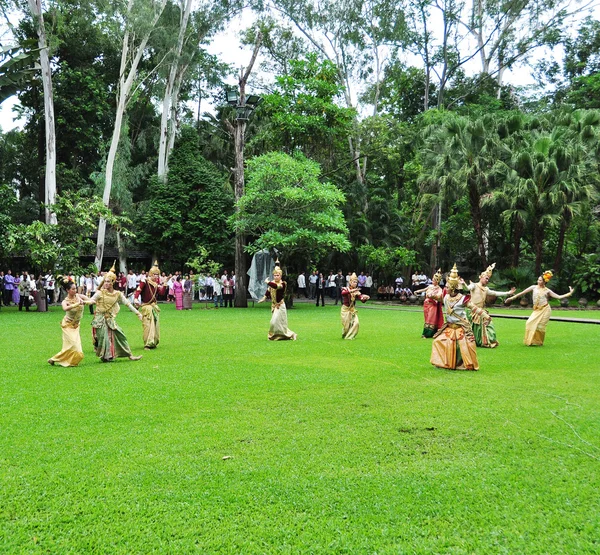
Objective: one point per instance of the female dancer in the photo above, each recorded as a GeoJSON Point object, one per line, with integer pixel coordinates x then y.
{"type": "Point", "coordinates": [109, 340]}
{"type": "Point", "coordinates": [535, 328]}
{"type": "Point", "coordinates": [454, 343]}
{"type": "Point", "coordinates": [432, 307]}
{"type": "Point", "coordinates": [349, 315]}
{"type": "Point", "coordinates": [72, 353]}
{"type": "Point", "coordinates": [278, 328]}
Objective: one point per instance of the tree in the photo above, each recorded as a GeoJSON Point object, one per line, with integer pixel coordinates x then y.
{"type": "Point", "coordinates": [140, 20]}
{"type": "Point", "coordinates": [35, 7]}
{"type": "Point", "coordinates": [287, 208]}
{"type": "Point", "coordinates": [189, 210]}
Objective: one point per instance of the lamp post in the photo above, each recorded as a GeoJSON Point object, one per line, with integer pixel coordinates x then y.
{"type": "Point", "coordinates": [243, 110]}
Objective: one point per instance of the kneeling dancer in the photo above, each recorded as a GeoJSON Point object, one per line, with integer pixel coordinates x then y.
{"type": "Point", "coordinates": [454, 344]}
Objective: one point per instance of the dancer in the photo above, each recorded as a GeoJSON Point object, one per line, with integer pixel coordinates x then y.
{"type": "Point", "coordinates": [278, 328]}
{"type": "Point", "coordinates": [349, 315]}
{"type": "Point", "coordinates": [147, 294]}
{"type": "Point", "coordinates": [535, 328]}
{"type": "Point", "coordinates": [454, 344]}
{"type": "Point", "coordinates": [481, 322]}
{"type": "Point", "coordinates": [71, 353]}
{"type": "Point", "coordinates": [432, 307]}
{"type": "Point", "coordinates": [109, 340]}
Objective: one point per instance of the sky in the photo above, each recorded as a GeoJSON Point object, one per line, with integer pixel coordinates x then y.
{"type": "Point", "coordinates": [227, 47]}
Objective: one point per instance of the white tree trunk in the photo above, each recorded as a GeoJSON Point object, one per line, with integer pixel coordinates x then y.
{"type": "Point", "coordinates": [50, 180]}
{"type": "Point", "coordinates": [126, 79]}
{"type": "Point", "coordinates": [169, 104]}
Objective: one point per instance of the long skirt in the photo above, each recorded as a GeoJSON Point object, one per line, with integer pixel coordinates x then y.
{"type": "Point", "coordinates": [109, 340]}
{"type": "Point", "coordinates": [178, 299]}
{"type": "Point", "coordinates": [72, 353]}
{"type": "Point", "coordinates": [16, 296]}
{"type": "Point", "coordinates": [350, 322]}
{"type": "Point", "coordinates": [434, 318]}
{"type": "Point", "coordinates": [187, 300]}
{"type": "Point", "coordinates": [278, 328]}
{"type": "Point", "coordinates": [40, 300]}
{"type": "Point", "coordinates": [151, 325]}
{"type": "Point", "coordinates": [483, 328]}
{"type": "Point", "coordinates": [454, 348]}
{"type": "Point", "coordinates": [535, 328]}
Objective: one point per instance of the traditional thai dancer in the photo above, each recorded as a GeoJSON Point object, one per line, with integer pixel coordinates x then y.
{"type": "Point", "coordinates": [278, 328]}
{"type": "Point", "coordinates": [454, 344]}
{"type": "Point", "coordinates": [147, 294]}
{"type": "Point", "coordinates": [349, 315]}
{"type": "Point", "coordinates": [481, 322]}
{"type": "Point", "coordinates": [535, 328]}
{"type": "Point", "coordinates": [109, 340]}
{"type": "Point", "coordinates": [432, 307]}
{"type": "Point", "coordinates": [72, 353]}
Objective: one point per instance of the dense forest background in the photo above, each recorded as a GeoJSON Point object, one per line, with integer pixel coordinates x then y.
{"type": "Point", "coordinates": [387, 138]}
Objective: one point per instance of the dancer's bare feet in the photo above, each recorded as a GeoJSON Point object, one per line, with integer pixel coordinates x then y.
{"type": "Point", "coordinates": [135, 358]}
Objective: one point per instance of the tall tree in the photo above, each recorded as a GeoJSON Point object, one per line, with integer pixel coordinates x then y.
{"type": "Point", "coordinates": [140, 19]}
{"type": "Point", "coordinates": [35, 7]}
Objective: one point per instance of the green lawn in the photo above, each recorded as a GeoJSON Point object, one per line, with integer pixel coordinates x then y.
{"type": "Point", "coordinates": [222, 442]}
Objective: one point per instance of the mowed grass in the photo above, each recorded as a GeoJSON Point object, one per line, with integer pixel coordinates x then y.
{"type": "Point", "coordinates": [223, 442]}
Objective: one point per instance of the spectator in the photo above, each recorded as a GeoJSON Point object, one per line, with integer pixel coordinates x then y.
{"type": "Point", "coordinates": [368, 284]}
{"type": "Point", "coordinates": [321, 286]}
{"type": "Point", "coordinates": [362, 281]}
{"type": "Point", "coordinates": [302, 285]}
{"type": "Point", "coordinates": [339, 285]}
{"type": "Point", "coordinates": [312, 284]}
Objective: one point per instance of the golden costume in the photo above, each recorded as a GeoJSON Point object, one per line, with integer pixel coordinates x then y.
{"type": "Point", "coordinates": [454, 343]}
{"type": "Point", "coordinates": [109, 340]}
{"type": "Point", "coordinates": [278, 327]}
{"type": "Point", "coordinates": [349, 315]}
{"type": "Point", "coordinates": [481, 321]}
{"type": "Point", "coordinates": [147, 293]}
{"type": "Point", "coordinates": [72, 353]}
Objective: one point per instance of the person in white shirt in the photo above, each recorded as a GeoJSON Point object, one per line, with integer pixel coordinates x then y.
{"type": "Point", "coordinates": [81, 284]}
{"type": "Point", "coordinates": [312, 284]}
{"type": "Point", "coordinates": [368, 284]}
{"type": "Point", "coordinates": [302, 285]}
{"type": "Point", "coordinates": [49, 287]}
{"type": "Point", "coordinates": [131, 283]}
{"type": "Point", "coordinates": [210, 287]}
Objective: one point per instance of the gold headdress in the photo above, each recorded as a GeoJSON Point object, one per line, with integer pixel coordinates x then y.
{"type": "Point", "coordinates": [438, 275]}
{"type": "Point", "coordinates": [154, 271]}
{"type": "Point", "coordinates": [488, 272]}
{"type": "Point", "coordinates": [547, 276]}
{"type": "Point", "coordinates": [277, 270]}
{"type": "Point", "coordinates": [453, 279]}
{"type": "Point", "coordinates": [353, 277]}
{"type": "Point", "coordinates": [111, 275]}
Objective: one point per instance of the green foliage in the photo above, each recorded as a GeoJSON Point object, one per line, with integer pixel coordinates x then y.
{"type": "Point", "coordinates": [587, 278]}
{"type": "Point", "coordinates": [302, 113]}
{"type": "Point", "coordinates": [202, 264]}
{"type": "Point", "coordinates": [387, 261]}
{"type": "Point", "coordinates": [189, 210]}
{"type": "Point", "coordinates": [287, 208]}
{"type": "Point", "coordinates": [58, 247]}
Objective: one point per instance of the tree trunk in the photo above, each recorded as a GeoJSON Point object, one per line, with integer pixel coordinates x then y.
{"type": "Point", "coordinates": [538, 240]}
{"type": "Point", "coordinates": [240, 300]}
{"type": "Point", "coordinates": [122, 254]}
{"type": "Point", "coordinates": [50, 179]}
{"type": "Point", "coordinates": [123, 92]}
{"type": "Point", "coordinates": [475, 204]}
{"type": "Point", "coordinates": [564, 226]}
{"type": "Point", "coordinates": [518, 231]}
{"type": "Point", "coordinates": [169, 105]}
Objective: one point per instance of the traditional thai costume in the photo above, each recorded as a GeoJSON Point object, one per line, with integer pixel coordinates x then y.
{"type": "Point", "coordinates": [147, 293]}
{"type": "Point", "coordinates": [432, 307]}
{"type": "Point", "coordinates": [72, 353]}
{"type": "Point", "coordinates": [535, 328]}
{"type": "Point", "coordinates": [454, 344]}
{"type": "Point", "coordinates": [278, 327]}
{"type": "Point", "coordinates": [349, 315]}
{"type": "Point", "coordinates": [109, 340]}
{"type": "Point", "coordinates": [481, 321]}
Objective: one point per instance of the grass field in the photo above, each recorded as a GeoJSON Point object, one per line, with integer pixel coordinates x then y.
{"type": "Point", "coordinates": [222, 442]}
